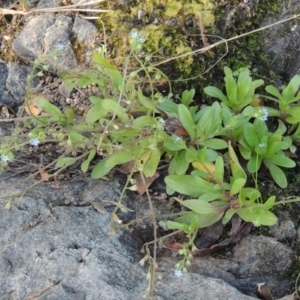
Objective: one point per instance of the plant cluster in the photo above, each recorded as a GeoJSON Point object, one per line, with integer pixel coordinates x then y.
{"type": "Point", "coordinates": [205, 147]}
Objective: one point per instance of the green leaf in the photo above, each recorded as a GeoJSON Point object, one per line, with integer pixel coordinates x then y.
{"type": "Point", "coordinates": [95, 100]}
{"type": "Point", "coordinates": [86, 163]}
{"type": "Point", "coordinates": [198, 206]}
{"type": "Point", "coordinates": [228, 215]}
{"type": "Point", "coordinates": [181, 163]}
{"type": "Point", "coordinates": [114, 108]}
{"type": "Point", "coordinates": [281, 160]}
{"type": "Point", "coordinates": [291, 89]}
{"type": "Point", "coordinates": [216, 144]}
{"type": "Point", "coordinates": [143, 121]}
{"type": "Point", "coordinates": [237, 170]}
{"type": "Point", "coordinates": [231, 91]}
{"type": "Point", "coordinates": [273, 91]}
{"type": "Point", "coordinates": [270, 202]}
{"type": "Point", "coordinates": [46, 106]}
{"type": "Point", "coordinates": [187, 121]}
{"type": "Point", "coordinates": [216, 93]}
{"type": "Point", "coordinates": [70, 115]}
{"type": "Point", "coordinates": [151, 164]}
{"type": "Point", "coordinates": [213, 195]}
{"type": "Point", "coordinates": [64, 162]}
{"type": "Point", "coordinates": [174, 144]}
{"type": "Point", "coordinates": [101, 169]}
{"type": "Point", "coordinates": [76, 138]}
{"type": "Point", "coordinates": [146, 102]}
{"type": "Point", "coordinates": [95, 113]}
{"type": "Point", "coordinates": [250, 135]}
{"type": "Point", "coordinates": [187, 97]}
{"type": "Point", "coordinates": [219, 169]}
{"type": "Point", "coordinates": [175, 225]}
{"type": "Point", "coordinates": [237, 185]}
{"type": "Point", "coordinates": [277, 174]}
{"type": "Point", "coordinates": [169, 107]}
{"type": "Point", "coordinates": [189, 185]}
{"type": "Point", "coordinates": [118, 158]}
{"type": "Point", "coordinates": [254, 163]}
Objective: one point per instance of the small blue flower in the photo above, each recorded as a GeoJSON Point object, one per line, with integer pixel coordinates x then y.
{"type": "Point", "coordinates": [178, 273]}
{"type": "Point", "coordinates": [5, 158]}
{"type": "Point", "coordinates": [60, 46]}
{"type": "Point", "coordinates": [161, 121]}
{"type": "Point", "coordinates": [34, 141]}
{"type": "Point", "coordinates": [137, 37]}
{"type": "Point", "coordinates": [261, 145]}
{"type": "Point", "coordinates": [265, 114]}
{"type": "Point", "coordinates": [177, 139]}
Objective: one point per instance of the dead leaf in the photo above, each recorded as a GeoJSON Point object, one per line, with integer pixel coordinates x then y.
{"type": "Point", "coordinates": [140, 187]}
{"type": "Point", "coordinates": [98, 207]}
{"type": "Point", "coordinates": [181, 132]}
{"type": "Point", "coordinates": [174, 246]}
{"type": "Point", "coordinates": [262, 290]}
{"type": "Point", "coordinates": [31, 108]}
{"type": "Point", "coordinates": [4, 11]}
{"type": "Point", "coordinates": [44, 174]}
{"type": "Point", "coordinates": [127, 167]}
{"type": "Point", "coordinates": [293, 296]}
{"type": "Point", "coordinates": [5, 111]}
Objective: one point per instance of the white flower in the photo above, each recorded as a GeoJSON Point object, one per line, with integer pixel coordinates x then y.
{"type": "Point", "coordinates": [177, 139]}
{"type": "Point", "coordinates": [178, 273]}
{"type": "Point", "coordinates": [137, 37]}
{"type": "Point", "coordinates": [261, 145]}
{"type": "Point", "coordinates": [265, 114]}
{"type": "Point", "coordinates": [161, 121]}
{"type": "Point", "coordinates": [5, 158]}
{"type": "Point", "coordinates": [60, 46]}
{"type": "Point", "coordinates": [34, 141]}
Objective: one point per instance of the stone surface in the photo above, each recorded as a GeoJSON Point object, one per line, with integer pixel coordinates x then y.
{"type": "Point", "coordinates": [16, 83]}
{"type": "Point", "coordinates": [55, 250]}
{"type": "Point", "coordinates": [284, 229]}
{"type": "Point", "coordinates": [282, 41]}
{"type": "Point", "coordinates": [255, 259]}
{"type": "Point", "coordinates": [56, 37]}
{"type": "Point", "coordinates": [29, 44]}
{"type": "Point", "coordinates": [5, 96]}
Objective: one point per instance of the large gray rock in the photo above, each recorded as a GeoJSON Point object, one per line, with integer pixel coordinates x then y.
{"type": "Point", "coordinates": [53, 250]}
{"type": "Point", "coordinates": [282, 41]}
{"type": "Point", "coordinates": [29, 44]}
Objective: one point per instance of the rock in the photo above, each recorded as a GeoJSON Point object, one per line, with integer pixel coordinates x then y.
{"type": "Point", "coordinates": [29, 44]}
{"type": "Point", "coordinates": [263, 259]}
{"type": "Point", "coordinates": [255, 259]}
{"type": "Point", "coordinates": [194, 286]}
{"type": "Point", "coordinates": [48, 3]}
{"type": "Point", "coordinates": [16, 83]}
{"type": "Point", "coordinates": [5, 97]}
{"type": "Point", "coordinates": [284, 229]}
{"type": "Point", "coordinates": [282, 41]}
{"type": "Point", "coordinates": [54, 246]}
{"type": "Point", "coordinates": [58, 47]}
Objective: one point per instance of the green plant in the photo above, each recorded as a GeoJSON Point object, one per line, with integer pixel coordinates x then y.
{"type": "Point", "coordinates": [288, 108]}
{"type": "Point", "coordinates": [239, 93]}
{"type": "Point", "coordinates": [258, 146]}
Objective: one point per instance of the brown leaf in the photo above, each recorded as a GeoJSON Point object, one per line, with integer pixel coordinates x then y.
{"type": "Point", "coordinates": [263, 290]}
{"type": "Point", "coordinates": [31, 108]}
{"type": "Point", "coordinates": [98, 207]}
{"type": "Point", "coordinates": [174, 246]}
{"type": "Point", "coordinates": [244, 230]}
{"type": "Point", "coordinates": [5, 111]}
{"type": "Point", "coordinates": [127, 167]}
{"type": "Point", "coordinates": [141, 188]}
{"type": "Point", "coordinates": [293, 296]}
